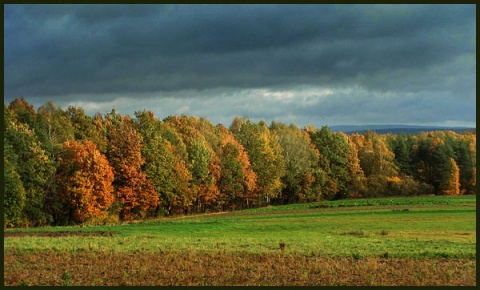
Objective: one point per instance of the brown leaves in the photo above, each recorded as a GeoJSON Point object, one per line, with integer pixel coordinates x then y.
{"type": "Point", "coordinates": [133, 189]}
{"type": "Point", "coordinates": [85, 180]}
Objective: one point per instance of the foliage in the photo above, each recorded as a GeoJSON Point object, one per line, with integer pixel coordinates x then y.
{"type": "Point", "coordinates": [450, 185]}
{"type": "Point", "coordinates": [133, 190]}
{"type": "Point", "coordinates": [202, 160]}
{"type": "Point", "coordinates": [183, 165]}
{"type": "Point", "coordinates": [265, 155]}
{"type": "Point", "coordinates": [53, 127]}
{"type": "Point", "coordinates": [85, 181]}
{"type": "Point", "coordinates": [238, 180]}
{"type": "Point", "coordinates": [85, 128]}
{"type": "Point", "coordinates": [301, 163]}
{"type": "Point", "coordinates": [33, 167]}
{"type": "Point", "coordinates": [334, 152]}
{"type": "Point", "coordinates": [21, 111]}
{"type": "Point", "coordinates": [15, 195]}
{"type": "Point", "coordinates": [436, 236]}
{"type": "Point", "coordinates": [165, 168]}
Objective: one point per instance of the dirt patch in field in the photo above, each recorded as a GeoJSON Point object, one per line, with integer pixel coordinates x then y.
{"type": "Point", "coordinates": [57, 234]}
{"type": "Point", "coordinates": [51, 268]}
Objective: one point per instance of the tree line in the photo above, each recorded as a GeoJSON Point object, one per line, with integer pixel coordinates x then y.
{"type": "Point", "coordinates": [66, 167]}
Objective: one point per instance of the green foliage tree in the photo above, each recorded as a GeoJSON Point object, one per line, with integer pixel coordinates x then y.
{"type": "Point", "coordinates": [162, 166]}
{"type": "Point", "coordinates": [437, 161]}
{"type": "Point", "coordinates": [23, 112]}
{"type": "Point", "coordinates": [54, 128]}
{"type": "Point", "coordinates": [334, 150]}
{"type": "Point", "coordinates": [301, 161]}
{"type": "Point", "coordinates": [14, 193]}
{"type": "Point", "coordinates": [231, 176]}
{"type": "Point", "coordinates": [432, 159]}
{"type": "Point", "coordinates": [32, 166]}
{"type": "Point", "coordinates": [202, 161]}
{"type": "Point", "coordinates": [84, 128]}
{"type": "Point", "coordinates": [401, 145]}
{"type": "Point", "coordinates": [265, 155]}
{"type": "Point", "coordinates": [213, 139]}
{"type": "Point", "coordinates": [238, 181]}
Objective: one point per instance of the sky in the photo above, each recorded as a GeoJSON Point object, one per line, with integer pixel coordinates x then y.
{"type": "Point", "coordinates": [304, 64]}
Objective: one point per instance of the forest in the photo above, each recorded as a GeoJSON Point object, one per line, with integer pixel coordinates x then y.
{"type": "Point", "coordinates": [64, 167]}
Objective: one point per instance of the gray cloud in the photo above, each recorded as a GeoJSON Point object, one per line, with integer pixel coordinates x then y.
{"type": "Point", "coordinates": [96, 54]}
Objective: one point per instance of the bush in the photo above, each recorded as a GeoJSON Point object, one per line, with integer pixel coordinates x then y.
{"type": "Point", "coordinates": [104, 218]}
{"type": "Point", "coordinates": [407, 186]}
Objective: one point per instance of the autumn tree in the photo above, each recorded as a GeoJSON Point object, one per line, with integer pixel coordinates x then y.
{"type": "Point", "coordinates": [357, 182]}
{"type": "Point", "coordinates": [162, 166]}
{"type": "Point", "coordinates": [133, 190]}
{"type": "Point", "coordinates": [203, 162]}
{"type": "Point", "coordinates": [85, 181]}
{"type": "Point", "coordinates": [183, 194]}
{"type": "Point", "coordinates": [238, 181]}
{"type": "Point", "coordinates": [377, 164]}
{"type": "Point", "coordinates": [211, 135]}
{"type": "Point", "coordinates": [203, 183]}
{"type": "Point", "coordinates": [265, 155]}
{"type": "Point", "coordinates": [450, 184]}
{"type": "Point", "coordinates": [465, 158]}
{"type": "Point", "coordinates": [55, 170]}
{"type": "Point", "coordinates": [375, 156]}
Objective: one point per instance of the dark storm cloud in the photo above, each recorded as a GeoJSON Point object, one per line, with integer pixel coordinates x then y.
{"type": "Point", "coordinates": [100, 51]}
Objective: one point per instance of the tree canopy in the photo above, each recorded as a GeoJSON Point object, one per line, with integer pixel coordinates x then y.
{"type": "Point", "coordinates": [64, 166]}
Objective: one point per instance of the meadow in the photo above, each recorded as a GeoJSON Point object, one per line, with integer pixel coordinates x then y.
{"type": "Point", "coordinates": [385, 241]}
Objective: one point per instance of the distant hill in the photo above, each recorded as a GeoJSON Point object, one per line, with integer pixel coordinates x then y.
{"type": "Point", "coordinates": [395, 129]}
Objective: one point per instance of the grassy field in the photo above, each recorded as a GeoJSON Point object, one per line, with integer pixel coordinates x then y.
{"type": "Point", "coordinates": [397, 241]}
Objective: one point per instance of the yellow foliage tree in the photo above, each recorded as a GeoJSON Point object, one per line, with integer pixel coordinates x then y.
{"type": "Point", "coordinates": [451, 183]}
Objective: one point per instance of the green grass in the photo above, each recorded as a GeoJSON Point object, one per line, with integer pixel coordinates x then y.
{"type": "Point", "coordinates": [393, 201]}
{"type": "Point", "coordinates": [440, 227]}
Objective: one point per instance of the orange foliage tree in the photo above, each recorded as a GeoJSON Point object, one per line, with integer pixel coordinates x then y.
{"type": "Point", "coordinates": [85, 180]}
{"type": "Point", "coordinates": [133, 190]}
